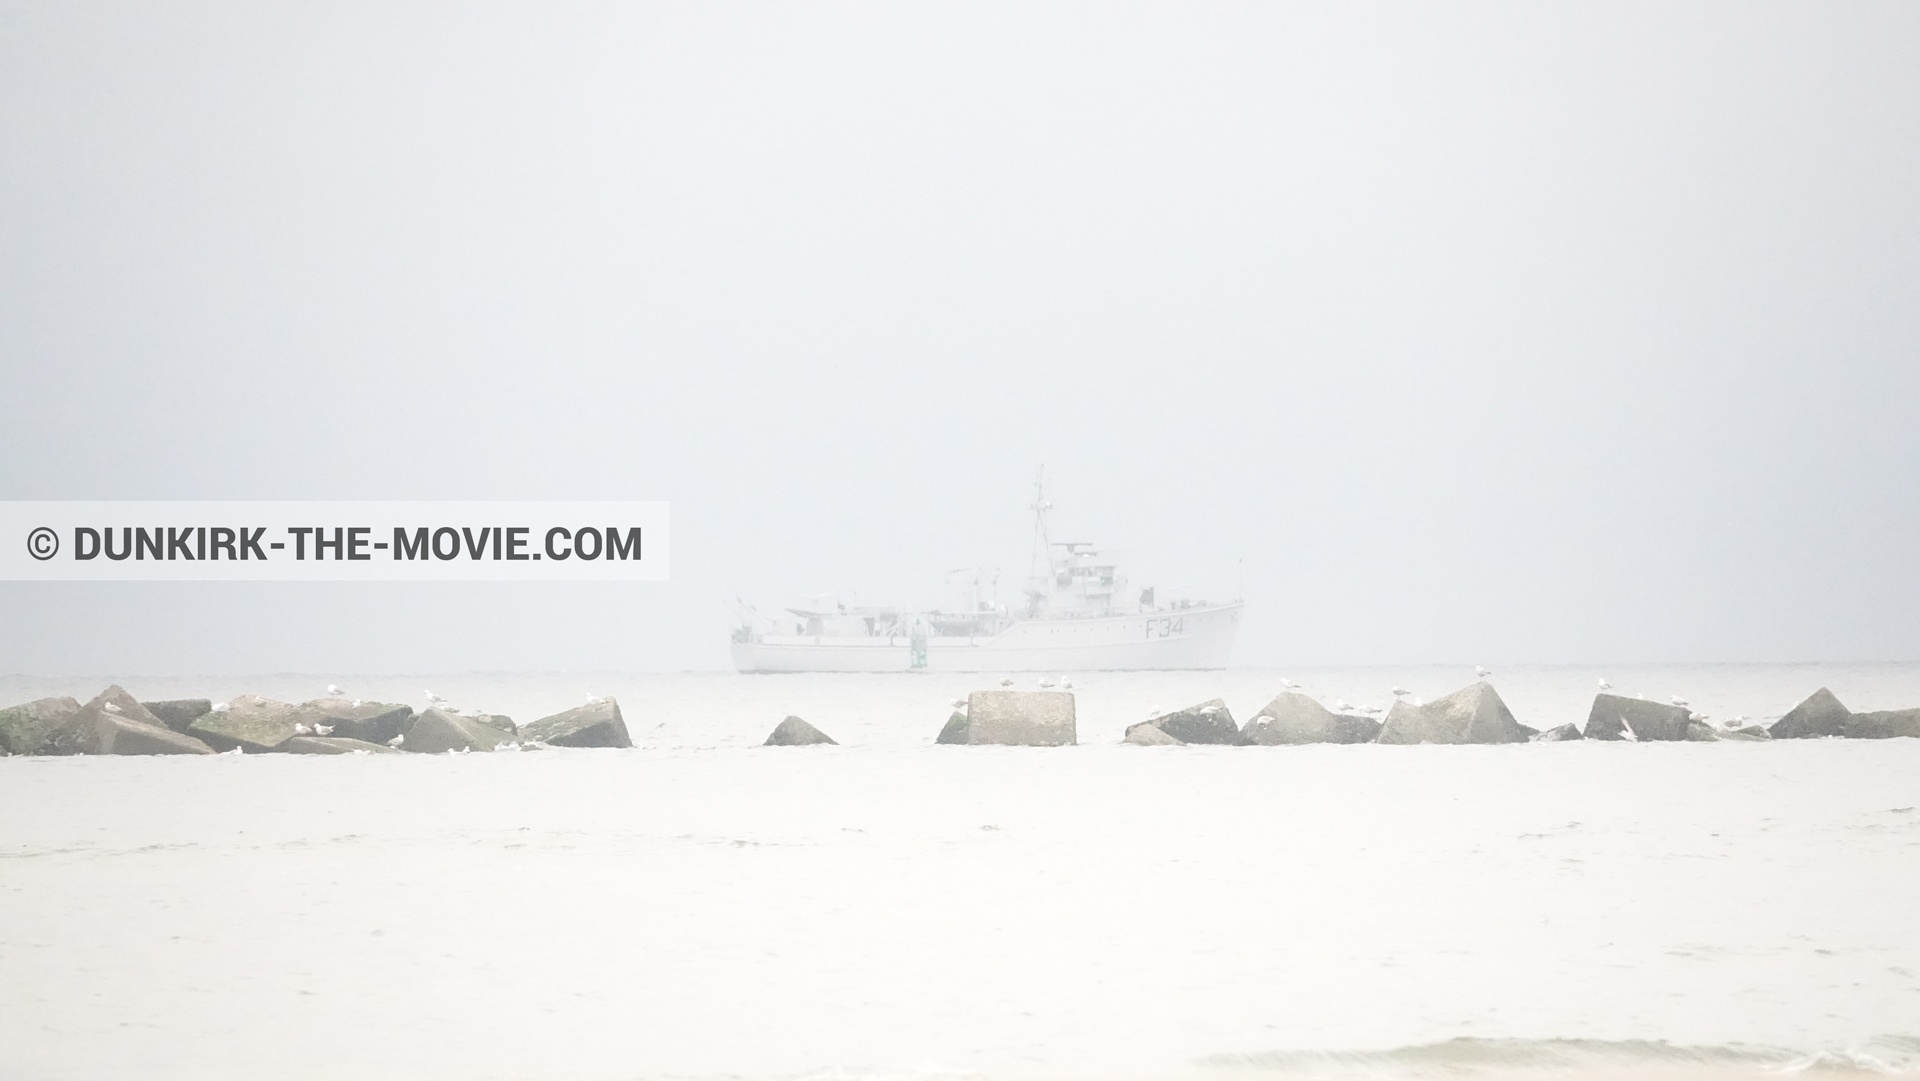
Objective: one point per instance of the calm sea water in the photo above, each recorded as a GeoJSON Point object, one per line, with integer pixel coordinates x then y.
{"type": "Point", "coordinates": [703, 907]}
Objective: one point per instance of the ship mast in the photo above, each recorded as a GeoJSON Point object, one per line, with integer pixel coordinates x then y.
{"type": "Point", "coordinates": [1040, 572]}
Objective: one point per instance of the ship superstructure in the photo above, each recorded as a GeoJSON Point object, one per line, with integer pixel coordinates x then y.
{"type": "Point", "coordinates": [1078, 613]}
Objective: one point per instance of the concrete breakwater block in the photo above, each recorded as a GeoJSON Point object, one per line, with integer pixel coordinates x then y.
{"type": "Point", "coordinates": [1615, 715]}
{"type": "Point", "coordinates": [596, 724]}
{"type": "Point", "coordinates": [437, 731]}
{"type": "Point", "coordinates": [333, 745]}
{"type": "Point", "coordinates": [372, 722]}
{"type": "Point", "coordinates": [1883, 724]}
{"type": "Point", "coordinates": [251, 722]}
{"type": "Point", "coordinates": [1148, 734]}
{"type": "Point", "coordinates": [1821, 715]}
{"type": "Point", "coordinates": [794, 732]}
{"type": "Point", "coordinates": [125, 728]}
{"type": "Point", "coordinates": [1750, 734]}
{"type": "Point", "coordinates": [1293, 718]}
{"type": "Point", "coordinates": [24, 728]}
{"type": "Point", "coordinates": [1560, 734]}
{"type": "Point", "coordinates": [1014, 718]}
{"type": "Point", "coordinates": [178, 713]}
{"type": "Point", "coordinates": [1470, 715]}
{"type": "Point", "coordinates": [955, 730]}
{"type": "Point", "coordinates": [1208, 722]}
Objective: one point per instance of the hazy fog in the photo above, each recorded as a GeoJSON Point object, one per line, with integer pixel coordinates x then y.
{"type": "Point", "coordinates": [1439, 332]}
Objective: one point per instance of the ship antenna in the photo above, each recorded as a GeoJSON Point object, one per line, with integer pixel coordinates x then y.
{"type": "Point", "coordinates": [1042, 540]}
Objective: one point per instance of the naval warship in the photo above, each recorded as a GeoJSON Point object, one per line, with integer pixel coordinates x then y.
{"type": "Point", "coordinates": [1079, 615]}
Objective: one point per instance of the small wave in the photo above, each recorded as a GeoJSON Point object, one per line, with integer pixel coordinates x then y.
{"type": "Point", "coordinates": [1473, 1056]}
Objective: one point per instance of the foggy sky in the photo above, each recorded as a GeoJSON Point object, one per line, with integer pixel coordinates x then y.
{"type": "Point", "coordinates": [1471, 332]}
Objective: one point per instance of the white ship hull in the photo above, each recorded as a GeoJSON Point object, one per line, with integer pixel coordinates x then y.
{"type": "Point", "coordinates": [1197, 637]}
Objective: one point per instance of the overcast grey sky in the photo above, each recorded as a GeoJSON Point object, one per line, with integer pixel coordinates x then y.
{"type": "Point", "coordinates": [1471, 332]}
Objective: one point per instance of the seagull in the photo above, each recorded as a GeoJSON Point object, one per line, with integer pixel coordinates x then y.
{"type": "Point", "coordinates": [594, 700]}
{"type": "Point", "coordinates": [1045, 682]}
{"type": "Point", "coordinates": [334, 690]}
{"type": "Point", "coordinates": [434, 698]}
{"type": "Point", "coordinates": [1738, 718]}
{"type": "Point", "coordinates": [958, 703]}
{"type": "Point", "coordinates": [1401, 692]}
{"type": "Point", "coordinates": [507, 747]}
{"type": "Point", "coordinates": [1482, 671]}
{"type": "Point", "coordinates": [323, 729]}
{"type": "Point", "coordinates": [1006, 683]}
{"type": "Point", "coordinates": [1289, 684]}
{"type": "Point", "coordinates": [1676, 700]}
{"type": "Point", "coordinates": [1696, 716]}
{"type": "Point", "coordinates": [1263, 719]}
{"type": "Point", "coordinates": [237, 749]}
{"type": "Point", "coordinates": [397, 740]}
{"type": "Point", "coordinates": [363, 751]}
{"type": "Point", "coordinates": [1208, 711]}
{"type": "Point", "coordinates": [1627, 733]}
{"type": "Point", "coordinates": [1066, 685]}
{"type": "Point", "coordinates": [1341, 705]}
{"type": "Point", "coordinates": [356, 705]}
{"type": "Point", "coordinates": [222, 707]}
{"type": "Point", "coordinates": [1604, 685]}
{"type": "Point", "coordinates": [302, 730]}
{"type": "Point", "coordinates": [1369, 709]}
{"type": "Point", "coordinates": [110, 707]}
{"type": "Point", "coordinates": [1153, 710]}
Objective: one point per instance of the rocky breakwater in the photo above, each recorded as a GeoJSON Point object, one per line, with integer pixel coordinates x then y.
{"type": "Point", "coordinates": [794, 732]}
{"type": "Point", "coordinates": [1618, 717]}
{"type": "Point", "coordinates": [1208, 722]}
{"type": "Point", "coordinates": [1470, 715]}
{"type": "Point", "coordinates": [596, 724]}
{"type": "Point", "coordinates": [1014, 718]}
{"type": "Point", "coordinates": [1293, 718]}
{"type": "Point", "coordinates": [438, 731]}
{"type": "Point", "coordinates": [114, 723]}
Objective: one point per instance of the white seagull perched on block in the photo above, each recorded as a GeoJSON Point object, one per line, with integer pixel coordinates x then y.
{"type": "Point", "coordinates": [1044, 682]}
{"type": "Point", "coordinates": [1401, 692]}
{"type": "Point", "coordinates": [222, 707]}
{"type": "Point", "coordinates": [302, 730]}
{"type": "Point", "coordinates": [1697, 716]}
{"type": "Point", "coordinates": [1482, 671]}
{"type": "Point", "coordinates": [1341, 705]}
{"type": "Point", "coordinates": [1604, 685]}
{"type": "Point", "coordinates": [1008, 682]}
{"type": "Point", "coordinates": [397, 740]}
{"type": "Point", "coordinates": [323, 729]}
{"type": "Point", "coordinates": [237, 749]}
{"type": "Point", "coordinates": [1289, 684]}
{"type": "Point", "coordinates": [958, 703]}
{"type": "Point", "coordinates": [334, 690]}
{"type": "Point", "coordinates": [1369, 710]}
{"type": "Point", "coordinates": [594, 700]}
{"type": "Point", "coordinates": [434, 698]}
{"type": "Point", "coordinates": [110, 707]}
{"type": "Point", "coordinates": [1066, 685]}
{"type": "Point", "coordinates": [1677, 700]}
